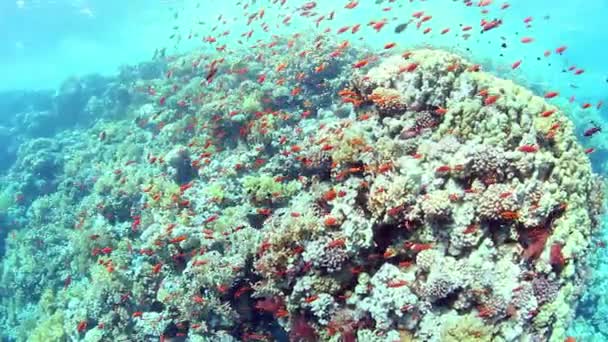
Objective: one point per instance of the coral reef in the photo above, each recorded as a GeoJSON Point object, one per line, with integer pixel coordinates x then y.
{"type": "Point", "coordinates": [420, 200]}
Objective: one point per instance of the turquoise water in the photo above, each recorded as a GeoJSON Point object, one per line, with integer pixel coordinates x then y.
{"type": "Point", "coordinates": [264, 171]}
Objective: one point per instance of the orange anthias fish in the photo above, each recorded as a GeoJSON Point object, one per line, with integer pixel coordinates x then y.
{"type": "Point", "coordinates": [360, 64]}
{"type": "Point", "coordinates": [491, 100]}
{"type": "Point", "coordinates": [528, 148]}
{"type": "Point", "coordinates": [516, 64]}
{"type": "Point", "coordinates": [390, 45]}
{"type": "Point", "coordinates": [352, 4]}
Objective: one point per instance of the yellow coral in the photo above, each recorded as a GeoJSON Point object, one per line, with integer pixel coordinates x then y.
{"type": "Point", "coordinates": [252, 103]}
{"type": "Point", "coordinates": [466, 328]}
{"type": "Point", "coordinates": [49, 329]}
{"type": "Point", "coordinates": [264, 187]}
{"type": "Point", "coordinates": [215, 191]}
{"type": "Point", "coordinates": [47, 301]}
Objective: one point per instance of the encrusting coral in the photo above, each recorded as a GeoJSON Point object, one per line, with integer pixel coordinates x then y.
{"type": "Point", "coordinates": [421, 200]}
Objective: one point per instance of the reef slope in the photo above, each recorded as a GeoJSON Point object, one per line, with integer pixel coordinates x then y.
{"type": "Point", "coordinates": [422, 200]}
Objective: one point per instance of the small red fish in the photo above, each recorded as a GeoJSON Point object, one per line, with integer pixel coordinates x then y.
{"type": "Point", "coordinates": [156, 268]}
{"type": "Point", "coordinates": [390, 45]}
{"type": "Point", "coordinates": [551, 94]}
{"type": "Point", "coordinates": [360, 64]}
{"type": "Point", "coordinates": [330, 221]}
{"type": "Point", "coordinates": [417, 247]}
{"type": "Point", "coordinates": [528, 148]}
{"type": "Point", "coordinates": [241, 291]}
{"type": "Point", "coordinates": [489, 25]}
{"type": "Point", "coordinates": [505, 194]}
{"type": "Point", "coordinates": [516, 64]}
{"type": "Point", "coordinates": [472, 228]}
{"type": "Point", "coordinates": [377, 26]}
{"type": "Point", "coordinates": [491, 99]}
{"type": "Point", "coordinates": [330, 195]}
{"type": "Point", "coordinates": [547, 113]}
{"type": "Point", "coordinates": [178, 239]}
{"type": "Point", "coordinates": [410, 67]}
{"type": "Point", "coordinates": [264, 211]}
{"type": "Point", "coordinates": [336, 243]}
{"type": "Point", "coordinates": [527, 40]}
{"type": "Point", "coordinates": [561, 49]}
{"type": "Point", "coordinates": [396, 283]}
{"type": "Point", "coordinates": [441, 111]}
{"type": "Point", "coordinates": [351, 5]}
{"type": "Point", "coordinates": [343, 29]}
{"type": "Point", "coordinates": [311, 299]}
{"type": "Point", "coordinates": [443, 169]}
{"type": "Point", "coordinates": [82, 326]}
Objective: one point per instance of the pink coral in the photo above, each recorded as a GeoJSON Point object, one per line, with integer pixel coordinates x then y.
{"type": "Point", "coordinates": [270, 305]}
{"type": "Point", "coordinates": [545, 290]}
{"type": "Point", "coordinates": [302, 331]}
{"type": "Point", "coordinates": [534, 241]}
{"type": "Point", "coordinates": [556, 257]}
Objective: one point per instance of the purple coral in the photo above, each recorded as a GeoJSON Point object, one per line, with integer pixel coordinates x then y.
{"type": "Point", "coordinates": [325, 255]}
{"type": "Point", "coordinates": [524, 301]}
{"type": "Point", "coordinates": [301, 330]}
{"type": "Point", "coordinates": [545, 290]}
{"type": "Point", "coordinates": [489, 164]}
{"type": "Point", "coordinates": [424, 121]}
{"type": "Point", "coordinates": [493, 307]}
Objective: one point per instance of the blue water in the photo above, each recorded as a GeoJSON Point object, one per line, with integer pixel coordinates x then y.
{"type": "Point", "coordinates": [44, 42]}
{"type": "Point", "coordinates": [57, 55]}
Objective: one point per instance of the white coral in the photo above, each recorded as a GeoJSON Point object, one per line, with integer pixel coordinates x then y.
{"type": "Point", "coordinates": [384, 303]}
